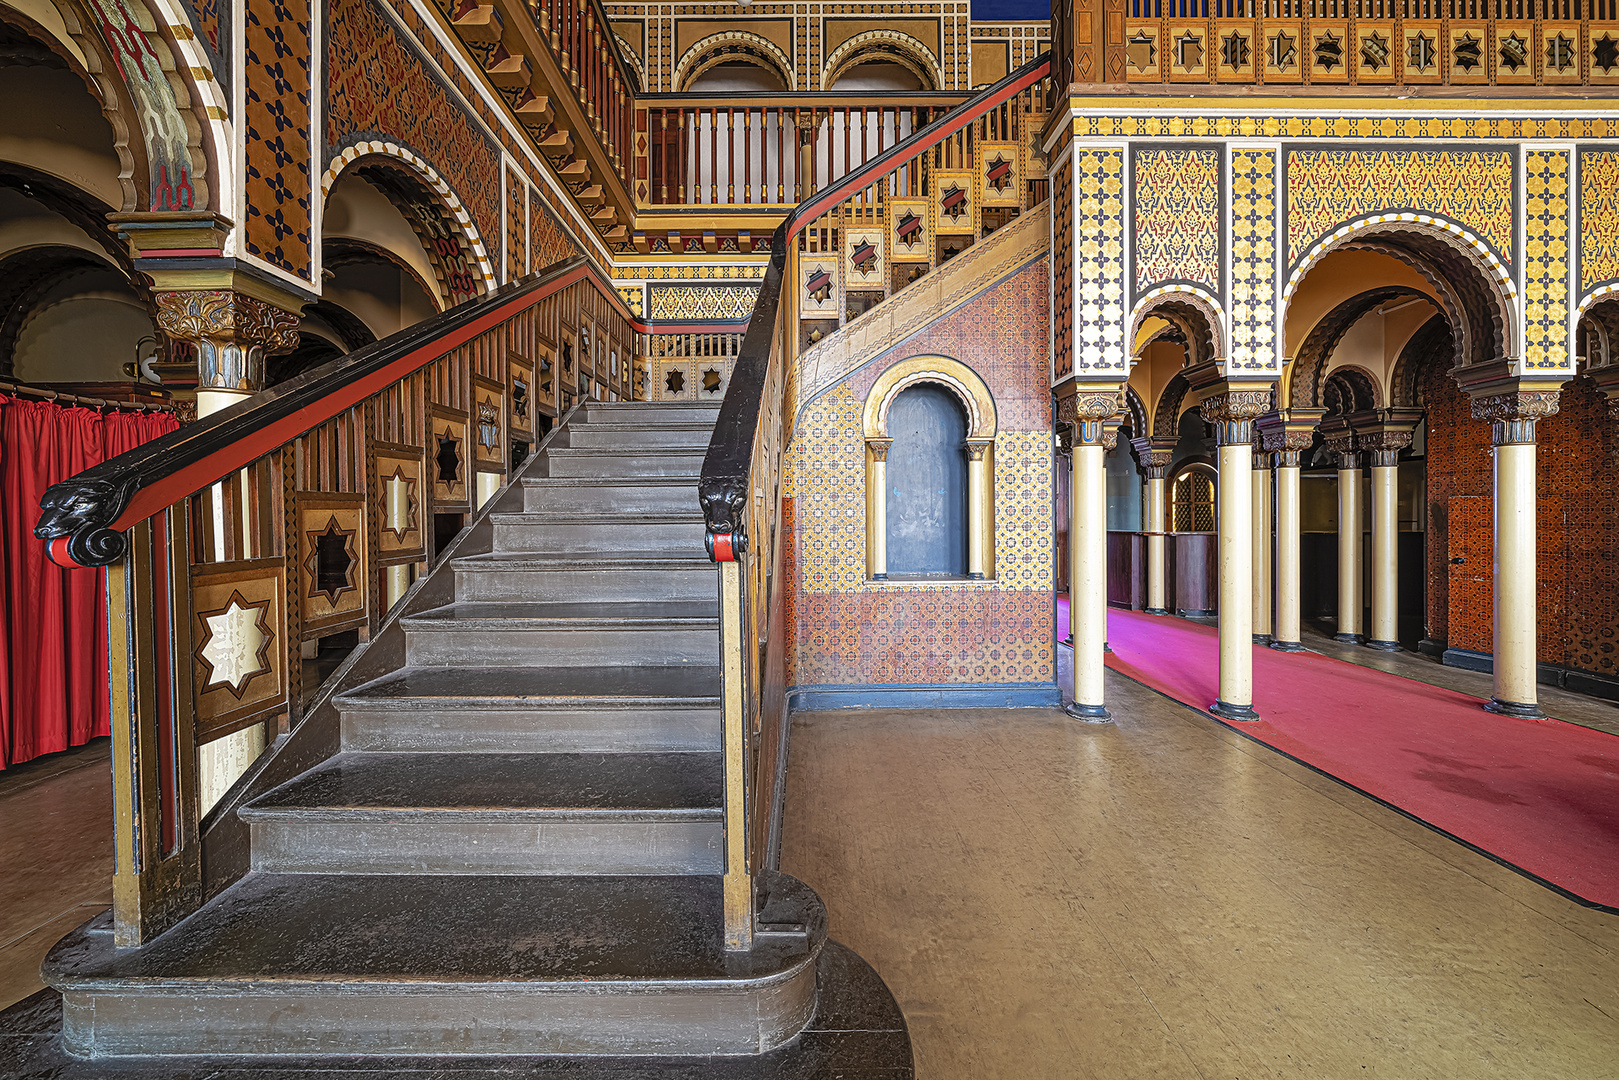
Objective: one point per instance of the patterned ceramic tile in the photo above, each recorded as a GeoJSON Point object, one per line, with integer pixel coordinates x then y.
{"type": "Point", "coordinates": [279, 143]}
{"type": "Point", "coordinates": [1599, 218]}
{"type": "Point", "coordinates": [1546, 257]}
{"type": "Point", "coordinates": [1254, 211]}
{"type": "Point", "coordinates": [1175, 197]}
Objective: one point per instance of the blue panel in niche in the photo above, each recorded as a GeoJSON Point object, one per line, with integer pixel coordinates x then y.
{"type": "Point", "coordinates": [927, 484]}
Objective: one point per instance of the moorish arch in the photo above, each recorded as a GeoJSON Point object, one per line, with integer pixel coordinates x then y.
{"type": "Point", "coordinates": [958, 378]}
{"type": "Point", "coordinates": [1302, 381]}
{"type": "Point", "coordinates": [1473, 288]}
{"type": "Point", "coordinates": [1192, 315]}
{"type": "Point", "coordinates": [1135, 411]}
{"type": "Point", "coordinates": [733, 46]}
{"type": "Point", "coordinates": [884, 47]}
{"type": "Point", "coordinates": [1166, 417]}
{"type": "Point", "coordinates": [1429, 348]}
{"type": "Point", "coordinates": [1350, 389]}
{"type": "Point", "coordinates": [458, 255]}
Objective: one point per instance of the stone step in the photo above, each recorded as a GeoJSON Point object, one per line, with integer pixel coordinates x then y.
{"type": "Point", "coordinates": [622, 462]}
{"type": "Point", "coordinates": [650, 413]}
{"type": "Point", "coordinates": [557, 635]}
{"type": "Point", "coordinates": [624, 576]}
{"type": "Point", "coordinates": [629, 434]}
{"type": "Point", "coordinates": [370, 813]}
{"type": "Point", "coordinates": [610, 496]}
{"type": "Point", "coordinates": [527, 710]}
{"type": "Point", "coordinates": [561, 533]}
{"type": "Point", "coordinates": [355, 964]}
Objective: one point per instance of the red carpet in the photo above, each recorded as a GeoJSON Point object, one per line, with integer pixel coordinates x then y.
{"type": "Point", "coordinates": [1541, 796]}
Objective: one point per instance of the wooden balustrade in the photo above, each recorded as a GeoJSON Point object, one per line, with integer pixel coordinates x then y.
{"type": "Point", "coordinates": [741, 483]}
{"type": "Point", "coordinates": [1340, 42]}
{"type": "Point", "coordinates": [301, 513]}
{"type": "Point", "coordinates": [582, 41]}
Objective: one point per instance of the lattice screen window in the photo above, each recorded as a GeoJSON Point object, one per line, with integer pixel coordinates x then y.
{"type": "Point", "coordinates": [1191, 500]}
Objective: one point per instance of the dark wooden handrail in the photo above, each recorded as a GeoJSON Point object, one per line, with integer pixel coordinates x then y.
{"type": "Point", "coordinates": [84, 517]}
{"type": "Point", "coordinates": [723, 486]}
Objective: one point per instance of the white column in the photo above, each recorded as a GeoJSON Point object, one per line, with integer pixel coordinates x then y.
{"type": "Point", "coordinates": [1385, 630]}
{"type": "Point", "coordinates": [1285, 638]}
{"type": "Point", "coordinates": [1261, 547]}
{"type": "Point", "coordinates": [1515, 682]}
{"type": "Point", "coordinates": [1232, 414]}
{"type": "Point", "coordinates": [1087, 573]}
{"type": "Point", "coordinates": [877, 507]}
{"type": "Point", "coordinates": [977, 507]}
{"type": "Point", "coordinates": [1349, 539]}
{"type": "Point", "coordinates": [1155, 523]}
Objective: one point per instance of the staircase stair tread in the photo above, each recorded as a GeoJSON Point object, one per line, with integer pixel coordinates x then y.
{"type": "Point", "coordinates": [440, 687]}
{"type": "Point", "coordinates": [532, 614]}
{"type": "Point", "coordinates": [660, 480]}
{"type": "Point", "coordinates": [585, 517]}
{"type": "Point", "coordinates": [626, 559]}
{"type": "Point", "coordinates": [598, 784]}
{"type": "Point", "coordinates": [431, 929]}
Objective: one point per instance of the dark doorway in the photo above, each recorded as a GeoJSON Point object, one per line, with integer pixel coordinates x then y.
{"type": "Point", "coordinates": [927, 484]}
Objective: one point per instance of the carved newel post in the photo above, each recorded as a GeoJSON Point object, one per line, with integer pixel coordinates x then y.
{"type": "Point", "coordinates": [1155, 458]}
{"type": "Point", "coordinates": [1232, 414]}
{"type": "Point", "coordinates": [1086, 412]}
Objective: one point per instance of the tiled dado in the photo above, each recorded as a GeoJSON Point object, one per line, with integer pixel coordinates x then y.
{"type": "Point", "coordinates": [844, 629]}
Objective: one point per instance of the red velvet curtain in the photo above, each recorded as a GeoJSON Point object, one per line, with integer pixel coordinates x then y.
{"type": "Point", "coordinates": [53, 635]}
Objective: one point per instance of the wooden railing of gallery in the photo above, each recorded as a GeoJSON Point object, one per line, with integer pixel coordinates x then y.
{"type": "Point", "coordinates": [741, 483]}
{"type": "Point", "coordinates": [1339, 42]}
{"type": "Point", "coordinates": [300, 513]}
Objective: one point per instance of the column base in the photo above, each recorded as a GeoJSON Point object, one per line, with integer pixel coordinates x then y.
{"type": "Point", "coordinates": [1384, 646]}
{"type": "Point", "coordinates": [1226, 711]}
{"type": "Point", "coordinates": [1518, 710]}
{"type": "Point", "coordinates": [1106, 647]}
{"type": "Point", "coordinates": [1090, 714]}
{"type": "Point", "coordinates": [975, 577]}
{"type": "Point", "coordinates": [1350, 639]}
{"type": "Point", "coordinates": [879, 577]}
{"type": "Point", "coordinates": [1288, 646]}
{"type": "Point", "coordinates": [1155, 611]}
{"type": "Point", "coordinates": [1262, 639]}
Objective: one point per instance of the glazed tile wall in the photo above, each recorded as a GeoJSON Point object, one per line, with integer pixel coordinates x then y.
{"type": "Point", "coordinates": [846, 631]}
{"type": "Point", "coordinates": [1175, 197]}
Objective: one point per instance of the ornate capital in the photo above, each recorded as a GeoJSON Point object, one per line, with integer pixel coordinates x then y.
{"type": "Point", "coordinates": [231, 331]}
{"type": "Point", "coordinates": [1154, 456]}
{"type": "Point", "coordinates": [1086, 410]}
{"type": "Point", "coordinates": [879, 448]}
{"type": "Point", "coordinates": [1513, 415]}
{"type": "Point", "coordinates": [976, 448]}
{"type": "Point", "coordinates": [1342, 441]}
{"type": "Point", "coordinates": [1288, 433]}
{"type": "Point", "coordinates": [1233, 412]}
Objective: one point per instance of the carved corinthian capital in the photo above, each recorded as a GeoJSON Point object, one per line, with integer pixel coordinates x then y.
{"type": "Point", "coordinates": [1233, 412]}
{"type": "Point", "coordinates": [1513, 415]}
{"type": "Point", "coordinates": [231, 331]}
{"type": "Point", "coordinates": [1086, 411]}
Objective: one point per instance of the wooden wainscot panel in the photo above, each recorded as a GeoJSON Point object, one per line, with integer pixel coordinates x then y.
{"type": "Point", "coordinates": [864, 265]}
{"type": "Point", "coordinates": [449, 459]}
{"type": "Point", "coordinates": [489, 425]}
{"type": "Point", "coordinates": [818, 287]}
{"type": "Point", "coordinates": [953, 197]}
{"type": "Point", "coordinates": [1329, 50]}
{"type": "Point", "coordinates": [545, 378]}
{"type": "Point", "coordinates": [1374, 57]}
{"type": "Point", "coordinates": [523, 395]}
{"type": "Point", "coordinates": [1283, 52]}
{"type": "Point", "coordinates": [1469, 53]}
{"type": "Point", "coordinates": [239, 662]}
{"type": "Point", "coordinates": [1235, 52]}
{"type": "Point", "coordinates": [1143, 53]}
{"type": "Point", "coordinates": [909, 229]}
{"type": "Point", "coordinates": [566, 373]}
{"type": "Point", "coordinates": [1514, 52]}
{"type": "Point", "coordinates": [1603, 55]}
{"type": "Point", "coordinates": [400, 505]}
{"type": "Point", "coordinates": [1189, 53]}
{"type": "Point", "coordinates": [1560, 52]}
{"type": "Point", "coordinates": [332, 571]}
{"type": "Point", "coordinates": [1001, 182]}
{"type": "Point", "coordinates": [1422, 52]}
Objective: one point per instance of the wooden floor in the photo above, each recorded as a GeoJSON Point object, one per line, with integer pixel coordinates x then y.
{"type": "Point", "coordinates": [55, 857]}
{"type": "Point", "coordinates": [1163, 898]}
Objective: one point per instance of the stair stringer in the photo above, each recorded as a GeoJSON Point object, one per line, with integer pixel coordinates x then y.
{"type": "Point", "coordinates": [940, 293]}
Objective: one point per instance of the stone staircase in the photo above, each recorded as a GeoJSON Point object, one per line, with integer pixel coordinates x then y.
{"type": "Point", "coordinates": [517, 850]}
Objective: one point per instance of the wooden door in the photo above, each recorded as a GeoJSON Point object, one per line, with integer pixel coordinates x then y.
{"type": "Point", "coordinates": [1471, 551]}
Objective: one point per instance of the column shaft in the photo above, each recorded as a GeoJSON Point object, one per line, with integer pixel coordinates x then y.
{"type": "Point", "coordinates": [1087, 574]}
{"type": "Point", "coordinates": [1261, 553]}
{"type": "Point", "coordinates": [977, 508]}
{"type": "Point", "coordinates": [1515, 583]}
{"type": "Point", "coordinates": [877, 508]}
{"type": "Point", "coordinates": [1287, 556]}
{"type": "Point", "coordinates": [1157, 563]}
{"type": "Point", "coordinates": [1236, 580]}
{"type": "Point", "coordinates": [1349, 538]}
{"type": "Point", "coordinates": [1385, 631]}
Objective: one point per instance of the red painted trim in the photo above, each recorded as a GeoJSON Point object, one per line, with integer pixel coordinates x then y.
{"type": "Point", "coordinates": [57, 549]}
{"type": "Point", "coordinates": [723, 549]}
{"type": "Point", "coordinates": [191, 479]}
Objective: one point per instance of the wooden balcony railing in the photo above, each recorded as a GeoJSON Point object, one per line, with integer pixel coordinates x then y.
{"type": "Point", "coordinates": [605, 86]}
{"type": "Point", "coordinates": [1346, 42]}
{"type": "Point", "coordinates": [741, 483]}
{"type": "Point", "coordinates": [300, 513]}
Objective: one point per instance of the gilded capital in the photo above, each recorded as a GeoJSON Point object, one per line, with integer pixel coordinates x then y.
{"type": "Point", "coordinates": [976, 448]}
{"type": "Point", "coordinates": [1233, 412]}
{"type": "Point", "coordinates": [879, 448]}
{"type": "Point", "coordinates": [231, 332]}
{"type": "Point", "coordinates": [1513, 415]}
{"type": "Point", "coordinates": [1086, 410]}
{"type": "Point", "coordinates": [1154, 456]}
